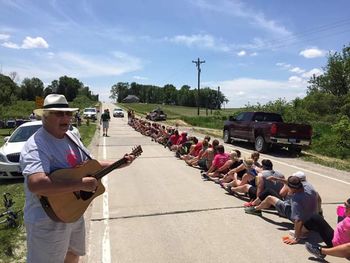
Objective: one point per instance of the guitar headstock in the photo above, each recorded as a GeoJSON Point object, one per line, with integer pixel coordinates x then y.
{"type": "Point", "coordinates": [136, 151]}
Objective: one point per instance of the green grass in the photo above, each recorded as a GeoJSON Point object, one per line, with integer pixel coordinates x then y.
{"type": "Point", "coordinates": [12, 240]}
{"type": "Point", "coordinates": [322, 141]}
{"type": "Point", "coordinates": [207, 118]}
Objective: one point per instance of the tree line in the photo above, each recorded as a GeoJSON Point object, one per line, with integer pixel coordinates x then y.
{"type": "Point", "coordinates": [169, 94]}
{"type": "Point", "coordinates": [30, 88]}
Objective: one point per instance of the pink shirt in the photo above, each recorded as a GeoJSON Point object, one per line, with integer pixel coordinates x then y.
{"type": "Point", "coordinates": [342, 232]}
{"type": "Point", "coordinates": [220, 159]}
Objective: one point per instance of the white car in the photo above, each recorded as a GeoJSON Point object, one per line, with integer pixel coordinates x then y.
{"type": "Point", "coordinates": [118, 112]}
{"type": "Point", "coordinates": [90, 113]}
{"type": "Point", "coordinates": [11, 150]}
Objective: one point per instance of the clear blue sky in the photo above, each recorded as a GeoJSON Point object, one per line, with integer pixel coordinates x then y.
{"type": "Point", "coordinates": [256, 51]}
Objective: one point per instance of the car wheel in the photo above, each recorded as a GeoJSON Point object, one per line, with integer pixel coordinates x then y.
{"type": "Point", "coordinates": [227, 136]}
{"type": "Point", "coordinates": [260, 144]}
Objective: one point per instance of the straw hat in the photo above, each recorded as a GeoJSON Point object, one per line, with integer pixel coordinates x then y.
{"type": "Point", "coordinates": [54, 102]}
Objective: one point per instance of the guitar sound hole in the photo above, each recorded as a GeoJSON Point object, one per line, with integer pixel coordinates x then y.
{"type": "Point", "coordinates": [86, 195]}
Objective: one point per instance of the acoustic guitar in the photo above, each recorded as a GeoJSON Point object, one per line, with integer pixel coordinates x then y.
{"type": "Point", "coordinates": [69, 207]}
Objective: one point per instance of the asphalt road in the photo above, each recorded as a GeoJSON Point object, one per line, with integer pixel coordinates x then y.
{"type": "Point", "coordinates": [161, 210]}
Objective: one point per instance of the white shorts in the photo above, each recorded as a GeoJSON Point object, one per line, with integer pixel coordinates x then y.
{"type": "Point", "coordinates": [49, 241]}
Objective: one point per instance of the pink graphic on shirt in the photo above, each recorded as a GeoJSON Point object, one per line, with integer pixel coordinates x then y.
{"type": "Point", "coordinates": [72, 158]}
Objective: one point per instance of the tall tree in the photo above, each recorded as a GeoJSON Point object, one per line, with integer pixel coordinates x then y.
{"type": "Point", "coordinates": [30, 88]}
{"type": "Point", "coordinates": [7, 90]}
{"type": "Point", "coordinates": [69, 87]}
{"type": "Point", "coordinates": [336, 77]}
{"type": "Point", "coordinates": [119, 91]}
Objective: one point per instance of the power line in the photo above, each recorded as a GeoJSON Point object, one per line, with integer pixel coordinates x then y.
{"type": "Point", "coordinates": [307, 35]}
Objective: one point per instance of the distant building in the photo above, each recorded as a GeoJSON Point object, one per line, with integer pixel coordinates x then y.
{"type": "Point", "coordinates": [130, 99]}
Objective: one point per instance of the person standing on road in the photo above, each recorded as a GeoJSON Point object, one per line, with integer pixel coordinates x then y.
{"type": "Point", "coordinates": [104, 121]}
{"type": "Point", "coordinates": [51, 148]}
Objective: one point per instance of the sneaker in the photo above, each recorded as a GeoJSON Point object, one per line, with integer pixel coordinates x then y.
{"type": "Point", "coordinates": [205, 175]}
{"type": "Point", "coordinates": [303, 235]}
{"type": "Point", "coordinates": [252, 211]}
{"type": "Point", "coordinates": [314, 250]}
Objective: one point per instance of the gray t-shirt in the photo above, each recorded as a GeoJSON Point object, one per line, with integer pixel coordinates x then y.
{"type": "Point", "coordinates": [45, 153]}
{"type": "Point", "coordinates": [304, 204]}
{"type": "Point", "coordinates": [273, 185]}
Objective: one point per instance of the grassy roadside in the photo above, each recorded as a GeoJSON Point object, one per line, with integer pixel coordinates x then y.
{"type": "Point", "coordinates": [12, 240]}
{"type": "Point", "coordinates": [185, 116]}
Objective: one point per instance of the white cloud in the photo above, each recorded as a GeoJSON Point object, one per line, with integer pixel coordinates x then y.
{"type": "Point", "coordinates": [76, 65]}
{"type": "Point", "coordinates": [10, 45]}
{"type": "Point", "coordinates": [28, 43]}
{"type": "Point", "coordinates": [312, 53]}
{"type": "Point", "coordinates": [295, 79]}
{"type": "Point", "coordinates": [283, 65]}
{"type": "Point", "coordinates": [253, 54]}
{"type": "Point", "coordinates": [297, 70]}
{"type": "Point", "coordinates": [140, 78]}
{"type": "Point", "coordinates": [242, 91]}
{"type": "Point", "coordinates": [201, 41]}
{"type": "Point", "coordinates": [241, 53]}
{"type": "Point", "coordinates": [4, 36]}
{"type": "Point", "coordinates": [314, 71]}
{"type": "Point", "coordinates": [37, 42]}
{"type": "Point", "coordinates": [240, 9]}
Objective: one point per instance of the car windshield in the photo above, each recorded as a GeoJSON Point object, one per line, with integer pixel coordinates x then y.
{"type": "Point", "coordinates": [118, 110]}
{"type": "Point", "coordinates": [22, 134]}
{"type": "Point", "coordinates": [90, 110]}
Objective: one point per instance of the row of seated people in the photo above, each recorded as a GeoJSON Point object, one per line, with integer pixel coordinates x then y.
{"type": "Point", "coordinates": [293, 197]}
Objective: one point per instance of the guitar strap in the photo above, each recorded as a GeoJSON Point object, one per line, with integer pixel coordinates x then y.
{"type": "Point", "coordinates": [74, 140]}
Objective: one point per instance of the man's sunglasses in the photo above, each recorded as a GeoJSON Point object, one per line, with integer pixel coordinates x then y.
{"type": "Point", "coordinates": [62, 113]}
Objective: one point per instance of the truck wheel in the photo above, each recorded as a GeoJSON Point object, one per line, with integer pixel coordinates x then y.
{"type": "Point", "coordinates": [260, 144]}
{"type": "Point", "coordinates": [226, 137]}
{"type": "Point", "coordinates": [294, 150]}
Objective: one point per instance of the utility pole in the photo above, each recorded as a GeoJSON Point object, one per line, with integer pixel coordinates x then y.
{"type": "Point", "coordinates": [218, 99]}
{"type": "Point", "coordinates": [198, 65]}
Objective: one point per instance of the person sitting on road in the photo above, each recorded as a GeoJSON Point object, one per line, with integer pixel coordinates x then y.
{"type": "Point", "coordinates": [187, 146]}
{"type": "Point", "coordinates": [182, 139]}
{"type": "Point", "coordinates": [248, 177]}
{"type": "Point", "coordinates": [208, 156]}
{"type": "Point", "coordinates": [195, 149]}
{"type": "Point", "coordinates": [219, 160]}
{"type": "Point", "coordinates": [299, 207]}
{"type": "Point", "coordinates": [194, 161]}
{"type": "Point", "coordinates": [255, 156]}
{"type": "Point", "coordinates": [332, 238]}
{"type": "Point", "coordinates": [264, 185]}
{"type": "Point", "coordinates": [173, 139]}
{"type": "Point", "coordinates": [220, 172]}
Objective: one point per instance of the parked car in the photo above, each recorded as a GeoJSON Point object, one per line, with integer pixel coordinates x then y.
{"type": "Point", "coordinates": [90, 113]}
{"type": "Point", "coordinates": [156, 115]}
{"type": "Point", "coordinates": [266, 129]}
{"type": "Point", "coordinates": [118, 112]}
{"type": "Point", "coordinates": [10, 151]}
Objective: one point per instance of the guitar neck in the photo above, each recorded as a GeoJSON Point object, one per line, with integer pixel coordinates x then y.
{"type": "Point", "coordinates": [109, 168]}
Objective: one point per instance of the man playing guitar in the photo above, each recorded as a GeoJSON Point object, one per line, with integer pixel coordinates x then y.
{"type": "Point", "coordinates": [52, 148]}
